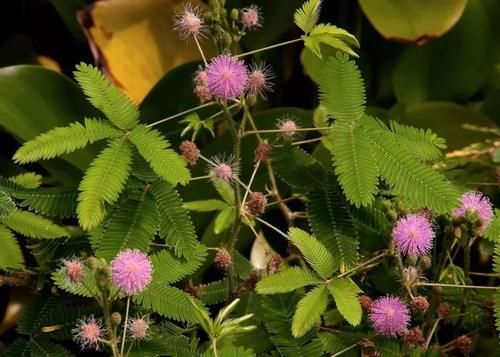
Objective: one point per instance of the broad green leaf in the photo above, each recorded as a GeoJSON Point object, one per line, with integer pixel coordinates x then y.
{"type": "Point", "coordinates": [345, 292]}
{"type": "Point", "coordinates": [224, 220]}
{"type": "Point", "coordinates": [309, 310]}
{"type": "Point", "coordinates": [406, 20]}
{"type": "Point", "coordinates": [314, 252]}
{"type": "Point", "coordinates": [287, 280]}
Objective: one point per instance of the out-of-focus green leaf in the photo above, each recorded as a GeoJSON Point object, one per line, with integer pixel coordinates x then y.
{"type": "Point", "coordinates": [34, 100]}
{"type": "Point", "coordinates": [409, 20]}
{"type": "Point", "coordinates": [454, 67]}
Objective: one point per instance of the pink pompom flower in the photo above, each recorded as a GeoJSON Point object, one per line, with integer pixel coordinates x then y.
{"type": "Point", "coordinates": [476, 202]}
{"type": "Point", "coordinates": [251, 17]}
{"type": "Point", "coordinates": [74, 270]}
{"type": "Point", "coordinates": [413, 235]}
{"type": "Point", "coordinates": [389, 316]}
{"type": "Point", "coordinates": [89, 332]}
{"type": "Point", "coordinates": [259, 79]}
{"type": "Point", "coordinates": [227, 77]}
{"type": "Point", "coordinates": [288, 128]}
{"type": "Point", "coordinates": [138, 328]}
{"type": "Point", "coordinates": [189, 22]}
{"type": "Point", "coordinates": [131, 271]}
{"type": "Point", "coordinates": [223, 169]}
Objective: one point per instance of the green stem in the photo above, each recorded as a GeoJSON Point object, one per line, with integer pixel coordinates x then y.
{"type": "Point", "coordinates": [467, 260]}
{"type": "Point", "coordinates": [201, 51]}
{"type": "Point", "coordinates": [214, 346]}
{"type": "Point", "coordinates": [459, 286]}
{"type": "Point", "coordinates": [431, 333]}
{"type": "Point", "coordinates": [107, 321]}
{"type": "Point", "coordinates": [270, 131]}
{"type": "Point", "coordinates": [345, 350]}
{"type": "Point", "coordinates": [277, 230]}
{"type": "Point", "coordinates": [125, 327]}
{"type": "Point", "coordinates": [187, 111]}
{"type": "Point", "coordinates": [269, 47]}
{"type": "Point", "coordinates": [368, 262]}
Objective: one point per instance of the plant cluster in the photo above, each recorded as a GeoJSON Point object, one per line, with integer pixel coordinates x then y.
{"type": "Point", "coordinates": [358, 235]}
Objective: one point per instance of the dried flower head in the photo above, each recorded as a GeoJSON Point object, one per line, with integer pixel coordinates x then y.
{"type": "Point", "coordinates": [189, 152]}
{"type": "Point", "coordinates": [251, 17]}
{"type": "Point", "coordinates": [414, 336]}
{"type": "Point", "coordinates": [413, 235]}
{"type": "Point", "coordinates": [463, 344]}
{"type": "Point", "coordinates": [138, 328]}
{"type": "Point", "coordinates": [389, 316]}
{"type": "Point", "coordinates": [256, 203]}
{"type": "Point", "coordinates": [476, 202]}
{"type": "Point", "coordinates": [274, 263]}
{"type": "Point", "coordinates": [262, 152]}
{"type": "Point", "coordinates": [88, 333]}
{"type": "Point", "coordinates": [223, 259]}
{"type": "Point", "coordinates": [223, 169]}
{"type": "Point", "coordinates": [411, 276]}
{"type": "Point", "coordinates": [189, 22]}
{"type": "Point", "coordinates": [366, 302]}
{"type": "Point", "coordinates": [287, 127]}
{"type": "Point", "coordinates": [259, 79]}
{"type": "Point", "coordinates": [201, 86]}
{"type": "Point", "coordinates": [131, 271]}
{"type": "Point", "coordinates": [192, 290]}
{"type": "Point", "coordinates": [420, 304]}
{"type": "Point", "coordinates": [444, 310]}
{"type": "Point", "coordinates": [74, 270]}
{"type": "Point", "coordinates": [227, 77]}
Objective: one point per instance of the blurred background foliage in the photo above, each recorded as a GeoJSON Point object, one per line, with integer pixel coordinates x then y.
{"type": "Point", "coordinates": [431, 64]}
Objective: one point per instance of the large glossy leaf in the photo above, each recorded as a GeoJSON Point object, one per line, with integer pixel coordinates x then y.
{"type": "Point", "coordinates": [454, 67]}
{"type": "Point", "coordinates": [34, 100]}
{"type": "Point", "coordinates": [410, 20]}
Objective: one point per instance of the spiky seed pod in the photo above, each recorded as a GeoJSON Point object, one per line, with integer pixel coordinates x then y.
{"type": "Point", "coordinates": [463, 344]}
{"type": "Point", "coordinates": [74, 270]}
{"type": "Point", "coordinates": [223, 260]}
{"type": "Point", "coordinates": [262, 152]}
{"type": "Point", "coordinates": [274, 263]}
{"type": "Point", "coordinates": [189, 152]}
{"type": "Point", "coordinates": [256, 204]}
{"type": "Point", "coordinates": [251, 17]}
{"type": "Point", "coordinates": [414, 336]}
{"type": "Point", "coordinates": [444, 310]}
{"type": "Point", "coordinates": [420, 304]}
{"type": "Point", "coordinates": [192, 290]}
{"type": "Point", "coordinates": [366, 302]}
{"type": "Point", "coordinates": [425, 262]}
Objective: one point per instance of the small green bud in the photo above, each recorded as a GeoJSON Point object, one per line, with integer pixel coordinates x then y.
{"type": "Point", "coordinates": [251, 99]}
{"type": "Point", "coordinates": [102, 278]}
{"type": "Point", "coordinates": [116, 318]}
{"type": "Point", "coordinates": [228, 40]}
{"type": "Point", "coordinates": [425, 262]}
{"type": "Point", "coordinates": [92, 263]}
{"type": "Point", "coordinates": [235, 14]}
{"type": "Point", "coordinates": [412, 260]}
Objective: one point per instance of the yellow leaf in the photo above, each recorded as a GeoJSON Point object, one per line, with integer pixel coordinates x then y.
{"type": "Point", "coordinates": [135, 42]}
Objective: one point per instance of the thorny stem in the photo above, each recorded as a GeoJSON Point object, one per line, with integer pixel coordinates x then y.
{"type": "Point", "coordinates": [201, 51]}
{"type": "Point", "coordinates": [187, 111]}
{"type": "Point", "coordinates": [368, 262]}
{"type": "Point", "coordinates": [345, 350]}
{"type": "Point", "coordinates": [458, 286]}
{"type": "Point", "coordinates": [266, 131]}
{"type": "Point", "coordinates": [268, 47]}
{"type": "Point", "coordinates": [431, 333]}
{"type": "Point", "coordinates": [125, 327]}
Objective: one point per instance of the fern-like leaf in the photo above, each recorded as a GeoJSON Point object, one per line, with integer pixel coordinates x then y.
{"type": "Point", "coordinates": [287, 280]}
{"type": "Point", "coordinates": [314, 252]}
{"type": "Point", "coordinates": [33, 226]}
{"type": "Point", "coordinates": [297, 168]}
{"type": "Point", "coordinates": [155, 149]}
{"type": "Point", "coordinates": [215, 292]}
{"type": "Point", "coordinates": [6, 204]}
{"type": "Point", "coordinates": [131, 226]}
{"type": "Point", "coordinates": [408, 177]}
{"type": "Point", "coordinates": [354, 163]}
{"type": "Point", "coordinates": [41, 346]}
{"type": "Point", "coordinates": [64, 140]}
{"type": "Point", "coordinates": [497, 310]}
{"type": "Point", "coordinates": [50, 201]}
{"type": "Point", "coordinates": [11, 256]}
{"type": "Point", "coordinates": [27, 180]}
{"type": "Point", "coordinates": [332, 36]}
{"type": "Point", "coordinates": [106, 97]}
{"type": "Point", "coordinates": [168, 268]}
{"type": "Point", "coordinates": [167, 301]}
{"type": "Point", "coordinates": [103, 182]}
{"type": "Point", "coordinates": [307, 16]}
{"type": "Point", "coordinates": [33, 317]}
{"type": "Point", "coordinates": [345, 293]}
{"type": "Point", "coordinates": [86, 288]}
{"type": "Point", "coordinates": [166, 345]}
{"type": "Point", "coordinates": [332, 224]}
{"type": "Point", "coordinates": [278, 314]}
{"type": "Point", "coordinates": [424, 144]}
{"type": "Point", "coordinates": [176, 226]}
{"type": "Point", "coordinates": [18, 348]}
{"type": "Point", "coordinates": [337, 343]}
{"type": "Point", "coordinates": [309, 310]}
{"type": "Point", "coordinates": [342, 91]}
{"type": "Point", "coordinates": [492, 232]}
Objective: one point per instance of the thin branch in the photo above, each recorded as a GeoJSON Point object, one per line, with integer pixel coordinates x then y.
{"type": "Point", "coordinates": [429, 338]}
{"type": "Point", "coordinates": [458, 286]}
{"type": "Point", "coordinates": [201, 51]}
{"type": "Point", "coordinates": [187, 111]}
{"type": "Point", "coordinates": [368, 262]}
{"type": "Point", "coordinates": [345, 350]}
{"type": "Point", "coordinates": [268, 131]}
{"type": "Point", "coordinates": [269, 47]}
{"type": "Point", "coordinates": [271, 226]}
